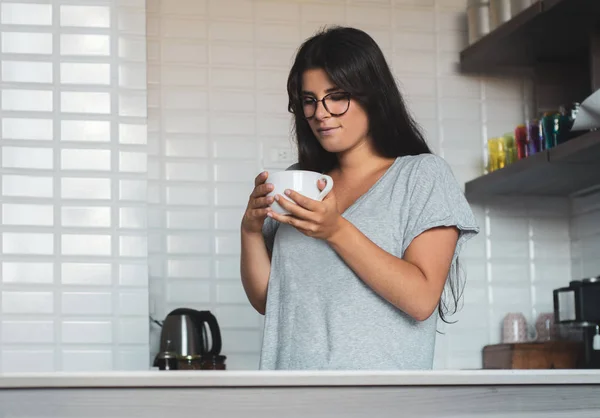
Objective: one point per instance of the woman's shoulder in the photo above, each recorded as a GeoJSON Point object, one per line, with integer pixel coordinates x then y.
{"type": "Point", "coordinates": [424, 162]}
{"type": "Point", "coordinates": [423, 167]}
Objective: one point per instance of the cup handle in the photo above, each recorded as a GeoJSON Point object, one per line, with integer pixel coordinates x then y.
{"type": "Point", "coordinates": [328, 186]}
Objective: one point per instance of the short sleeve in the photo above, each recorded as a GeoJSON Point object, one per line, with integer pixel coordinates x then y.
{"type": "Point", "coordinates": [268, 230]}
{"type": "Point", "coordinates": [436, 199]}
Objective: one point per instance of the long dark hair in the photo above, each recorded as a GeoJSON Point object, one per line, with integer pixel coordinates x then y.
{"type": "Point", "coordinates": [355, 63]}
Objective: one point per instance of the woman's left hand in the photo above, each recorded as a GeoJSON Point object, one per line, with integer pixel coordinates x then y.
{"type": "Point", "coordinates": [311, 217]}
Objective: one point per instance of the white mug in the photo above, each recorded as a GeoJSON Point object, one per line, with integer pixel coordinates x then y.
{"type": "Point", "coordinates": [301, 181]}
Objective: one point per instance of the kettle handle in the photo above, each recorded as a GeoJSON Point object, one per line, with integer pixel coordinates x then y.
{"type": "Point", "coordinates": [215, 332]}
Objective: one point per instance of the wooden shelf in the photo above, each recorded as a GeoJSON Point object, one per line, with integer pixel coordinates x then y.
{"type": "Point", "coordinates": [548, 31]}
{"type": "Point", "coordinates": [562, 171]}
{"type": "Point", "coordinates": [557, 43]}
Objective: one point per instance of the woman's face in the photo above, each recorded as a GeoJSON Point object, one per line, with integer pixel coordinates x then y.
{"type": "Point", "coordinates": [345, 125]}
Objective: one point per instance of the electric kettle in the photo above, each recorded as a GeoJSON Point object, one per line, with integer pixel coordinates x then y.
{"type": "Point", "coordinates": [185, 335]}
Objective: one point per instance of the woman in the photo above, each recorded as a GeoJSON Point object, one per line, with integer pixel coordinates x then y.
{"type": "Point", "coordinates": [354, 281]}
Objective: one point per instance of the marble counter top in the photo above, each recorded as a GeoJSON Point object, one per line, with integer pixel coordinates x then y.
{"type": "Point", "coordinates": [198, 379]}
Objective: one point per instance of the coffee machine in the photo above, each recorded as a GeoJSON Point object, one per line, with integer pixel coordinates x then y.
{"type": "Point", "coordinates": [577, 316]}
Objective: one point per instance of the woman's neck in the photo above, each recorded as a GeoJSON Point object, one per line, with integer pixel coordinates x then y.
{"type": "Point", "coordinates": [361, 159]}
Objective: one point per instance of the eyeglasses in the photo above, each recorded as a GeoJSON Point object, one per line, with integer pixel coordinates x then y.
{"type": "Point", "coordinates": [336, 104]}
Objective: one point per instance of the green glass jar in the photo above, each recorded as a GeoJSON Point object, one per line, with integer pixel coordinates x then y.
{"type": "Point", "coordinates": [510, 148]}
{"type": "Point", "coordinates": [548, 127]}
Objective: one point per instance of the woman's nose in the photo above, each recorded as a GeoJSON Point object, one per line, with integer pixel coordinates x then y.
{"type": "Point", "coordinates": [321, 112]}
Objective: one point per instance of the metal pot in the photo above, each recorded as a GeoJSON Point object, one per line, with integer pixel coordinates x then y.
{"type": "Point", "coordinates": [478, 19]}
{"type": "Point", "coordinates": [499, 12]}
{"type": "Point", "coordinates": [517, 6]}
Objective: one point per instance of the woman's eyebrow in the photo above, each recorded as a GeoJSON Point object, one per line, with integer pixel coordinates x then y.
{"type": "Point", "coordinates": [329, 90]}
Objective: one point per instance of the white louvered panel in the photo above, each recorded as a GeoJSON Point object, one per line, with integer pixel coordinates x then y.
{"type": "Point", "coordinates": [68, 152]}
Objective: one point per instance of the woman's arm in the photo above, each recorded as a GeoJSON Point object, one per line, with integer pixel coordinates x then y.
{"type": "Point", "coordinates": [413, 283]}
{"type": "Point", "coordinates": [255, 261]}
{"type": "Point", "coordinates": [255, 267]}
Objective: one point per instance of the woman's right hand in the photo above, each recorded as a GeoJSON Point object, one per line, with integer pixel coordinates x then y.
{"type": "Point", "coordinates": [258, 204]}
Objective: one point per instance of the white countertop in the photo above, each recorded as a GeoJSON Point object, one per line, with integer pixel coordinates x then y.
{"type": "Point", "coordinates": [165, 379]}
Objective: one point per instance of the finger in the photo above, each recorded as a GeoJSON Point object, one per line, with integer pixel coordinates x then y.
{"type": "Point", "coordinates": [294, 209]}
{"type": "Point", "coordinates": [261, 178]}
{"type": "Point", "coordinates": [321, 184]}
{"type": "Point", "coordinates": [329, 196]}
{"type": "Point", "coordinates": [301, 200]}
{"type": "Point", "coordinates": [262, 190]}
{"type": "Point", "coordinates": [262, 202]}
{"type": "Point", "coordinates": [302, 225]}
{"type": "Point", "coordinates": [278, 217]}
{"type": "Point", "coordinates": [260, 213]}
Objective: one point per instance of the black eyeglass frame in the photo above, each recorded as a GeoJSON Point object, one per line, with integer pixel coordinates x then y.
{"type": "Point", "coordinates": [315, 103]}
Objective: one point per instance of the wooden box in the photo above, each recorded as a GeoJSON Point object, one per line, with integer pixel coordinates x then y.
{"type": "Point", "coordinates": [539, 355]}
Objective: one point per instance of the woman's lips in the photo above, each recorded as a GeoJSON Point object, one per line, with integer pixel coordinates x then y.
{"type": "Point", "coordinates": [327, 131]}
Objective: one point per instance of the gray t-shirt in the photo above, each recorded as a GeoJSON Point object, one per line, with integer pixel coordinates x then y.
{"type": "Point", "coordinates": [320, 315]}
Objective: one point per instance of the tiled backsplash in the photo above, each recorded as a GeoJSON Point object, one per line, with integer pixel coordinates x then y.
{"type": "Point", "coordinates": [217, 109]}
{"type": "Point", "coordinates": [585, 236]}
{"type": "Point", "coordinates": [521, 254]}
{"type": "Point", "coordinates": [81, 190]}
{"type": "Point", "coordinates": [74, 260]}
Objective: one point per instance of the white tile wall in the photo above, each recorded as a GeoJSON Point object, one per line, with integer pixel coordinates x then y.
{"type": "Point", "coordinates": [585, 235]}
{"type": "Point", "coordinates": [217, 116]}
{"type": "Point", "coordinates": [84, 183]}
{"type": "Point", "coordinates": [521, 255]}
{"type": "Point", "coordinates": [73, 151]}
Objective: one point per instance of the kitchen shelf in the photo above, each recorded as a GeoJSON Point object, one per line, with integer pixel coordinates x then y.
{"type": "Point", "coordinates": [549, 31]}
{"type": "Point", "coordinates": [567, 169]}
